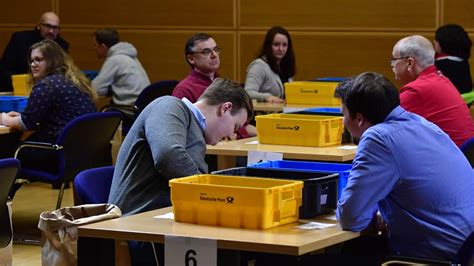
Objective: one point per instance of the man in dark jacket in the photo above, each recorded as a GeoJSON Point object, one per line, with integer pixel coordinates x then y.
{"type": "Point", "coordinates": [15, 57]}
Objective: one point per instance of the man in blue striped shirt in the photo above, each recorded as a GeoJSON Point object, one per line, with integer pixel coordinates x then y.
{"type": "Point", "coordinates": [407, 168]}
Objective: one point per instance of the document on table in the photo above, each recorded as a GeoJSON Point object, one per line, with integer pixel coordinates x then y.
{"type": "Point", "coordinates": [314, 225]}
{"type": "Point", "coordinates": [168, 215]}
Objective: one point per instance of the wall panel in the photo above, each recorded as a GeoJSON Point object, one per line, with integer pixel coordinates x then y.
{"type": "Point", "coordinates": [24, 11]}
{"type": "Point", "coordinates": [148, 14]}
{"type": "Point", "coordinates": [339, 14]}
{"type": "Point", "coordinates": [460, 12]}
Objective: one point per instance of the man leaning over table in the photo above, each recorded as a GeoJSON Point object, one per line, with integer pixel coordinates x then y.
{"type": "Point", "coordinates": [168, 140]}
{"type": "Point", "coordinates": [407, 168]}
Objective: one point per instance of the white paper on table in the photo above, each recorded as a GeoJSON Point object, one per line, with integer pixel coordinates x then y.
{"type": "Point", "coordinates": [168, 215]}
{"type": "Point", "coordinates": [347, 147]}
{"type": "Point", "coordinates": [252, 142]}
{"type": "Point", "coordinates": [3, 126]}
{"type": "Point", "coordinates": [254, 157]}
{"type": "Point", "coordinates": [314, 225]}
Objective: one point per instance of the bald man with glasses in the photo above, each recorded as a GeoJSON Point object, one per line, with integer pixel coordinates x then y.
{"type": "Point", "coordinates": [427, 92]}
{"type": "Point", "coordinates": [15, 57]}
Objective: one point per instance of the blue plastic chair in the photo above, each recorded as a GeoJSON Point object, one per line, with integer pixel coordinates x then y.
{"type": "Point", "coordinates": [92, 186]}
{"type": "Point", "coordinates": [150, 93]}
{"type": "Point", "coordinates": [8, 171]}
{"type": "Point", "coordinates": [84, 143]}
{"type": "Point", "coordinates": [468, 149]}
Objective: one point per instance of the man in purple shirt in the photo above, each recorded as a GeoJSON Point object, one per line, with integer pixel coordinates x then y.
{"type": "Point", "coordinates": [202, 54]}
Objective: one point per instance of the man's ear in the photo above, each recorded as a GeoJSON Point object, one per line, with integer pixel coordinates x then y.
{"type": "Point", "coordinates": [190, 59]}
{"type": "Point", "coordinates": [360, 120]}
{"type": "Point", "coordinates": [227, 106]}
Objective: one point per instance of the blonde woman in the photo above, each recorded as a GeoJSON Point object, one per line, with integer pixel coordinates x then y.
{"type": "Point", "coordinates": [60, 93]}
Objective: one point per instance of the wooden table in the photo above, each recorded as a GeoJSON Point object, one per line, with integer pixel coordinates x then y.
{"type": "Point", "coordinates": [286, 239]}
{"type": "Point", "coordinates": [228, 151]}
{"type": "Point", "coordinates": [5, 130]}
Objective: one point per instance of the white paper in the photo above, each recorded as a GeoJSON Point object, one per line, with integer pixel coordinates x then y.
{"type": "Point", "coordinates": [190, 251]}
{"type": "Point", "coordinates": [168, 215]}
{"type": "Point", "coordinates": [314, 226]}
{"type": "Point", "coordinates": [254, 157]}
{"type": "Point", "coordinates": [346, 147]}
{"type": "Point", "coordinates": [293, 109]}
{"type": "Point", "coordinates": [332, 218]}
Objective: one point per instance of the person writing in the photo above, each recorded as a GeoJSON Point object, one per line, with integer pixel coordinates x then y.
{"type": "Point", "coordinates": [274, 66]}
{"type": "Point", "coordinates": [60, 93]}
{"type": "Point", "coordinates": [407, 168]}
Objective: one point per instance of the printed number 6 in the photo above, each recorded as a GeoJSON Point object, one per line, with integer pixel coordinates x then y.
{"type": "Point", "coordinates": [189, 260]}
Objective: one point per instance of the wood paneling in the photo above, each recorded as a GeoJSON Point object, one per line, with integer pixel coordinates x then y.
{"type": "Point", "coordinates": [339, 14]}
{"type": "Point", "coordinates": [160, 52]}
{"type": "Point", "coordinates": [459, 12]}
{"type": "Point", "coordinates": [24, 11]}
{"type": "Point", "coordinates": [146, 14]}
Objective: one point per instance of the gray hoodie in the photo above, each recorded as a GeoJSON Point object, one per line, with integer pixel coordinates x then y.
{"type": "Point", "coordinates": [122, 73]}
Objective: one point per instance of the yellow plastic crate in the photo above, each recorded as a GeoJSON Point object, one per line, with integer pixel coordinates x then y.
{"type": "Point", "coordinates": [230, 201]}
{"type": "Point", "coordinates": [20, 85]}
{"type": "Point", "coordinates": [312, 92]}
{"type": "Point", "coordinates": [299, 129]}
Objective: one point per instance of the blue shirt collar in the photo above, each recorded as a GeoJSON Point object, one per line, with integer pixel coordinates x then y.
{"type": "Point", "coordinates": [396, 112]}
{"type": "Point", "coordinates": [198, 114]}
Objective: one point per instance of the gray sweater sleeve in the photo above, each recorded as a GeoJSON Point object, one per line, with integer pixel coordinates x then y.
{"type": "Point", "coordinates": [166, 134]}
{"type": "Point", "coordinates": [256, 76]}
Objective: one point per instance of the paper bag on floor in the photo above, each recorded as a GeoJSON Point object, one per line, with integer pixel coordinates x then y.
{"type": "Point", "coordinates": [60, 230]}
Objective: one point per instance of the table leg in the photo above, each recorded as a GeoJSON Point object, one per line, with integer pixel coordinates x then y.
{"type": "Point", "coordinates": [225, 162]}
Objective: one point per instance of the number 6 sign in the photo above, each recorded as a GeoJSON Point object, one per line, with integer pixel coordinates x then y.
{"type": "Point", "coordinates": [186, 251]}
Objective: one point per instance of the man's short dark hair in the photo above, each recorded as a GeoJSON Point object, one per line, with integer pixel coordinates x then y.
{"type": "Point", "coordinates": [225, 90]}
{"type": "Point", "coordinates": [189, 48]}
{"type": "Point", "coordinates": [109, 37]}
{"type": "Point", "coordinates": [370, 94]}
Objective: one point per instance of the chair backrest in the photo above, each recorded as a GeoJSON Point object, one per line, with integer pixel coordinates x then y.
{"type": "Point", "coordinates": [468, 149]}
{"type": "Point", "coordinates": [92, 186]}
{"type": "Point", "coordinates": [8, 171]}
{"type": "Point", "coordinates": [153, 91]}
{"type": "Point", "coordinates": [87, 142]}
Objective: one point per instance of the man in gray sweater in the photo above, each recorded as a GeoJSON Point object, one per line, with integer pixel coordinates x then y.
{"type": "Point", "coordinates": [168, 140]}
{"type": "Point", "coordinates": [122, 74]}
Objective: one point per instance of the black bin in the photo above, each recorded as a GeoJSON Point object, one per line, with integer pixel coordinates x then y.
{"type": "Point", "coordinates": [319, 191]}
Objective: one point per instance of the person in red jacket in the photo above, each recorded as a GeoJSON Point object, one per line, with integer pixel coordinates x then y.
{"type": "Point", "coordinates": [427, 92]}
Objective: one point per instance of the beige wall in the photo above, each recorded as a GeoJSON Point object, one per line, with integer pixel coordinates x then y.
{"type": "Point", "coordinates": [331, 38]}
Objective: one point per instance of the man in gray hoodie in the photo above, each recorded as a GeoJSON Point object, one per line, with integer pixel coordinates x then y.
{"type": "Point", "coordinates": [121, 74]}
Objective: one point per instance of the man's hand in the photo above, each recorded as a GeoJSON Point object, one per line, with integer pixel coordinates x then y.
{"type": "Point", "coordinates": [274, 99]}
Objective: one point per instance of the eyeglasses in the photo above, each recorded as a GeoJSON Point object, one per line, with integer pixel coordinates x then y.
{"type": "Point", "coordinates": [49, 26]}
{"type": "Point", "coordinates": [394, 59]}
{"type": "Point", "coordinates": [36, 60]}
{"type": "Point", "coordinates": [208, 51]}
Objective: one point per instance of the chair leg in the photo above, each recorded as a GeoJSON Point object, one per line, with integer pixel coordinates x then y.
{"type": "Point", "coordinates": [60, 196]}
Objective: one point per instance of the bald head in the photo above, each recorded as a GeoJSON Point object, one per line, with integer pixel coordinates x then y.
{"type": "Point", "coordinates": [418, 47]}
{"type": "Point", "coordinates": [48, 25]}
